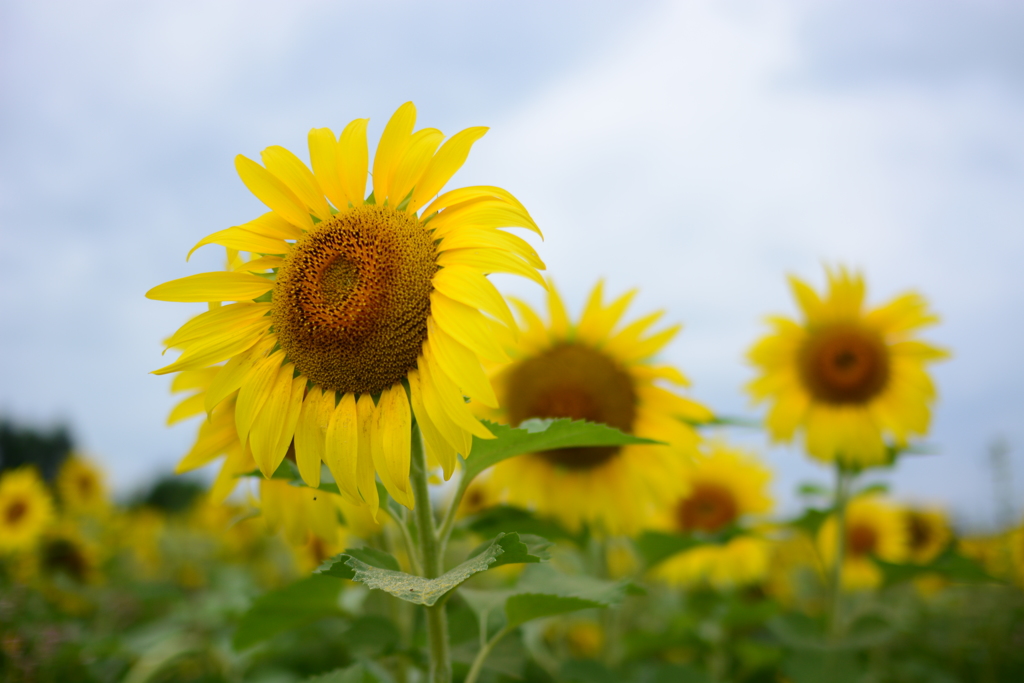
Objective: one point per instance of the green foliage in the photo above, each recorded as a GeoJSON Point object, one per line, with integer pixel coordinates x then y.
{"type": "Point", "coordinates": [44, 449]}
{"type": "Point", "coordinates": [541, 435]}
{"type": "Point", "coordinates": [380, 571]}
{"type": "Point", "coordinates": [949, 565]}
{"type": "Point", "coordinates": [303, 601]}
{"type": "Point", "coordinates": [507, 518]}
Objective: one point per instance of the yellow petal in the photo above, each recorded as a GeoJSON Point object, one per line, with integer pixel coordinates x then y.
{"type": "Point", "coordinates": [273, 192]}
{"type": "Point", "coordinates": [272, 225]}
{"type": "Point", "coordinates": [487, 238]}
{"type": "Point", "coordinates": [213, 439]}
{"type": "Point", "coordinates": [468, 286]}
{"type": "Point", "coordinates": [221, 319]}
{"type": "Point", "coordinates": [438, 449]}
{"type": "Point", "coordinates": [290, 170]}
{"type": "Point", "coordinates": [394, 422]}
{"type": "Point", "coordinates": [467, 325]}
{"type": "Point", "coordinates": [392, 144]}
{"type": "Point", "coordinates": [193, 379]}
{"type": "Point", "coordinates": [448, 160]}
{"type": "Point", "coordinates": [490, 261]}
{"type": "Point", "coordinates": [365, 478]}
{"type": "Point", "coordinates": [311, 434]}
{"type": "Point", "coordinates": [266, 430]}
{"type": "Point", "coordinates": [193, 405]}
{"type": "Point", "coordinates": [472, 199]}
{"type": "Point", "coordinates": [220, 346]}
{"type": "Point", "coordinates": [217, 286]}
{"type": "Point", "coordinates": [323, 156]}
{"type": "Point", "coordinates": [259, 265]}
{"type": "Point", "coordinates": [286, 437]}
{"type": "Point", "coordinates": [459, 439]}
{"type": "Point", "coordinates": [353, 161]}
{"type": "Point", "coordinates": [342, 446]}
{"type": "Point", "coordinates": [243, 240]}
{"type": "Point", "coordinates": [413, 162]}
{"type": "Point", "coordinates": [452, 400]}
{"type": "Point", "coordinates": [234, 372]}
{"type": "Point", "coordinates": [254, 391]}
{"type": "Point", "coordinates": [461, 365]}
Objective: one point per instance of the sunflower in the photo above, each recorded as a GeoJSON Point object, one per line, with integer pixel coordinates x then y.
{"type": "Point", "coordinates": [26, 509]}
{"type": "Point", "coordinates": [850, 378]}
{"type": "Point", "coordinates": [726, 486]}
{"type": "Point", "coordinates": [873, 529]}
{"type": "Point", "coordinates": [81, 486]}
{"type": "Point", "coordinates": [928, 534]}
{"type": "Point", "coordinates": [357, 313]}
{"type": "Point", "coordinates": [64, 551]}
{"type": "Point", "coordinates": [599, 371]}
{"type": "Point", "coordinates": [742, 561]}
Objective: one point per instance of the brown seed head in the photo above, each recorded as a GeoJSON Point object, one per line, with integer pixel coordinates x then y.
{"type": "Point", "coordinates": [575, 381]}
{"type": "Point", "coordinates": [844, 365]}
{"type": "Point", "coordinates": [351, 302]}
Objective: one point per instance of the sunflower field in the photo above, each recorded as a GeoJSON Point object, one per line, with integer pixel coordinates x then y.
{"type": "Point", "coordinates": [421, 479]}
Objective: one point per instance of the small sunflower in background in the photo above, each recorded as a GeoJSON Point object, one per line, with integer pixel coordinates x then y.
{"type": "Point", "coordinates": [602, 370]}
{"type": "Point", "coordinates": [726, 487]}
{"type": "Point", "coordinates": [26, 509]}
{"type": "Point", "coordinates": [66, 552]}
{"type": "Point", "coordinates": [357, 312]}
{"type": "Point", "coordinates": [848, 377]}
{"type": "Point", "coordinates": [81, 486]}
{"type": "Point", "coordinates": [928, 534]}
{"type": "Point", "coordinates": [874, 529]}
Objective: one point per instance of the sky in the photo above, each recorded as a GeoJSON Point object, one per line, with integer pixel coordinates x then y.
{"type": "Point", "coordinates": [698, 151]}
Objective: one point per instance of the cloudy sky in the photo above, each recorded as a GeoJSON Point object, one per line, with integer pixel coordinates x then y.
{"type": "Point", "coordinates": [699, 151]}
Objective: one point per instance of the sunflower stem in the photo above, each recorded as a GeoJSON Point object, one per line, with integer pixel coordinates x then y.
{"type": "Point", "coordinates": [843, 481]}
{"type": "Point", "coordinates": [431, 562]}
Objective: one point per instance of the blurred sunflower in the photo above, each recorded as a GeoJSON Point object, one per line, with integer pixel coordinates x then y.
{"type": "Point", "coordinates": [598, 371]}
{"type": "Point", "coordinates": [849, 377]}
{"type": "Point", "coordinates": [358, 312]}
{"type": "Point", "coordinates": [873, 529]}
{"type": "Point", "coordinates": [26, 509]}
{"type": "Point", "coordinates": [81, 486]}
{"type": "Point", "coordinates": [928, 534]}
{"type": "Point", "coordinates": [64, 551]}
{"type": "Point", "coordinates": [741, 561]}
{"type": "Point", "coordinates": [726, 486]}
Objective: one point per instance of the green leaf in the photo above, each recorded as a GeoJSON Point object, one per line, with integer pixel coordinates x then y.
{"type": "Point", "coordinates": [379, 570]}
{"type": "Point", "coordinates": [950, 565]}
{"type": "Point", "coordinates": [876, 489]}
{"type": "Point", "coordinates": [374, 557]}
{"type": "Point", "coordinates": [809, 489]}
{"type": "Point", "coordinates": [544, 592]}
{"type": "Point", "coordinates": [286, 608]}
{"type": "Point", "coordinates": [524, 607]}
{"type": "Point", "coordinates": [516, 549]}
{"type": "Point", "coordinates": [356, 673]}
{"type": "Point", "coordinates": [657, 546]}
{"type": "Point", "coordinates": [541, 435]}
{"type": "Point", "coordinates": [811, 520]}
{"type": "Point", "coordinates": [724, 421]}
{"type": "Point", "coordinates": [338, 568]}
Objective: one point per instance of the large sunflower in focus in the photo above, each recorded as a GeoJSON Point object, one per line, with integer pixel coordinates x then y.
{"type": "Point", "coordinates": [850, 378]}
{"type": "Point", "coordinates": [357, 312]}
{"type": "Point", "coordinates": [601, 371]}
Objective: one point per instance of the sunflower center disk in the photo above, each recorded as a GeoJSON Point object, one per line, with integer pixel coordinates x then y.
{"type": "Point", "coordinates": [861, 540]}
{"type": "Point", "coordinates": [61, 555]}
{"type": "Point", "coordinates": [920, 533]}
{"type": "Point", "coordinates": [578, 382]}
{"type": "Point", "coordinates": [351, 302]}
{"type": "Point", "coordinates": [844, 365]}
{"type": "Point", "coordinates": [15, 511]}
{"type": "Point", "coordinates": [709, 508]}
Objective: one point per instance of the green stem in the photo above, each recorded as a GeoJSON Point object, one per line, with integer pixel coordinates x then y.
{"type": "Point", "coordinates": [485, 649]}
{"type": "Point", "coordinates": [432, 563]}
{"type": "Point", "coordinates": [843, 480]}
{"type": "Point", "coordinates": [449, 517]}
